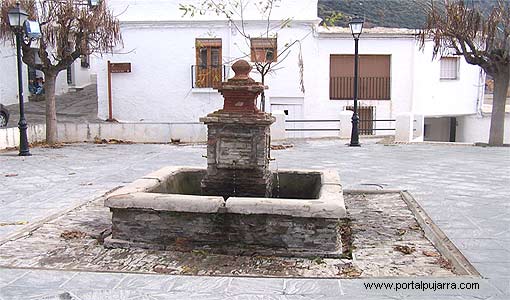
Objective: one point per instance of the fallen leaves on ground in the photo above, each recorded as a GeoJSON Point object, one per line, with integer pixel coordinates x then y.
{"type": "Point", "coordinates": [404, 249]}
{"type": "Point", "coordinates": [73, 234]}
{"type": "Point", "coordinates": [430, 253]}
{"type": "Point", "coordinates": [162, 269]}
{"type": "Point", "coordinates": [200, 252]}
{"type": "Point", "coordinates": [351, 271]}
{"type": "Point", "coordinates": [401, 232]}
{"type": "Point", "coordinates": [444, 263]}
{"type": "Point", "coordinates": [46, 145]}
{"type": "Point", "coordinates": [415, 227]}
{"type": "Point", "coordinates": [281, 147]}
{"type": "Point", "coordinates": [110, 141]}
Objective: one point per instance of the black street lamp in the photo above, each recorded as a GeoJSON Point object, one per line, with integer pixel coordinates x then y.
{"type": "Point", "coordinates": [17, 18]}
{"type": "Point", "coordinates": [356, 26]}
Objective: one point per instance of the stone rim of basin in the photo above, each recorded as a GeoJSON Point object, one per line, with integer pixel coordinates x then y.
{"type": "Point", "coordinates": [330, 203]}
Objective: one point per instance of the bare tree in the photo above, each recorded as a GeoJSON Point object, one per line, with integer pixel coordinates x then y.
{"type": "Point", "coordinates": [266, 56]}
{"type": "Point", "coordinates": [70, 29]}
{"type": "Point", "coordinates": [483, 39]}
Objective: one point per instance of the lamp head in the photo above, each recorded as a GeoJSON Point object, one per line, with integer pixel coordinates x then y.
{"type": "Point", "coordinates": [17, 16]}
{"type": "Point", "coordinates": [356, 25]}
{"type": "Point", "coordinates": [93, 3]}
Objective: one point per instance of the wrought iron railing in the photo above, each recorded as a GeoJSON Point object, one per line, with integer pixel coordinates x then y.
{"type": "Point", "coordinates": [367, 127]}
{"type": "Point", "coordinates": [369, 88]}
{"type": "Point", "coordinates": [207, 76]}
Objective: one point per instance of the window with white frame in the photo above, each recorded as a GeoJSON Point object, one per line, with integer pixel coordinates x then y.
{"type": "Point", "coordinates": [449, 68]}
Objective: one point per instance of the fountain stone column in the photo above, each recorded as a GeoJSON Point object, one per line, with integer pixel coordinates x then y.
{"type": "Point", "coordinates": [238, 140]}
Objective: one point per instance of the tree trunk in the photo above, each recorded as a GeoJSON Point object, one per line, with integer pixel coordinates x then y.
{"type": "Point", "coordinates": [51, 111]}
{"type": "Point", "coordinates": [497, 128]}
{"type": "Point", "coordinates": [263, 97]}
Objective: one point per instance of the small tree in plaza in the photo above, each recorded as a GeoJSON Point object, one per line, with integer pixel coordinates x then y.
{"type": "Point", "coordinates": [483, 39]}
{"type": "Point", "coordinates": [264, 52]}
{"type": "Point", "coordinates": [70, 29]}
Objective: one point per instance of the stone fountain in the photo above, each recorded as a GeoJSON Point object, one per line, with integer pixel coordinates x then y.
{"type": "Point", "coordinates": [238, 140]}
{"type": "Point", "coordinates": [237, 205]}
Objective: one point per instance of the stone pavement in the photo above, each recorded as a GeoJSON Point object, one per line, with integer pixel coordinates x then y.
{"type": "Point", "coordinates": [73, 107]}
{"type": "Point", "coordinates": [464, 189]}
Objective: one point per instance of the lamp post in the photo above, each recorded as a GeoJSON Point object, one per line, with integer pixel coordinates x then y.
{"type": "Point", "coordinates": [356, 26]}
{"type": "Point", "coordinates": [17, 17]}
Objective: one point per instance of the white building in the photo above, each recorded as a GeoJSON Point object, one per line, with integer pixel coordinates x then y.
{"type": "Point", "coordinates": [167, 51]}
{"type": "Point", "coordinates": [175, 60]}
{"type": "Point", "coordinates": [161, 46]}
{"type": "Point", "coordinates": [407, 80]}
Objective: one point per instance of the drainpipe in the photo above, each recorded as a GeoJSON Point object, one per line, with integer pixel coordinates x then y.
{"type": "Point", "coordinates": [481, 93]}
{"type": "Point", "coordinates": [229, 48]}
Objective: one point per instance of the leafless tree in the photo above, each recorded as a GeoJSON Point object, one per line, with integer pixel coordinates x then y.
{"type": "Point", "coordinates": [267, 58]}
{"type": "Point", "coordinates": [70, 29]}
{"type": "Point", "coordinates": [483, 39]}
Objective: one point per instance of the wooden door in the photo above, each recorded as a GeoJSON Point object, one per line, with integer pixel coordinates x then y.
{"type": "Point", "coordinates": [366, 119]}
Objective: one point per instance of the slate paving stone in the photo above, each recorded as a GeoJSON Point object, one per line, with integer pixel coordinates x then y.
{"type": "Point", "coordinates": [10, 275]}
{"type": "Point", "coordinates": [187, 296]}
{"type": "Point", "coordinates": [51, 279]}
{"type": "Point", "coordinates": [264, 286]}
{"type": "Point", "coordinates": [210, 285]}
{"type": "Point", "coordinates": [29, 293]}
{"type": "Point", "coordinates": [502, 285]}
{"type": "Point", "coordinates": [493, 270]}
{"type": "Point", "coordinates": [100, 295]}
{"type": "Point", "coordinates": [485, 256]}
{"type": "Point", "coordinates": [146, 282]}
{"type": "Point", "coordinates": [84, 280]}
{"type": "Point", "coordinates": [476, 176]}
{"type": "Point", "coordinates": [80, 106]}
{"type": "Point", "coordinates": [328, 287]}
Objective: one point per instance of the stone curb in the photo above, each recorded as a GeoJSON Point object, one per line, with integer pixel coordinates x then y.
{"type": "Point", "coordinates": [166, 202]}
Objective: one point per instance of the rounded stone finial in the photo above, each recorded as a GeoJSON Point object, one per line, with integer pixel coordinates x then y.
{"type": "Point", "coordinates": [241, 69]}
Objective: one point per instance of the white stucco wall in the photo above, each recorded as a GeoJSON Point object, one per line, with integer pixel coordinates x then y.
{"type": "Point", "coordinates": [475, 128]}
{"type": "Point", "coordinates": [159, 88]}
{"type": "Point", "coordinates": [435, 97]}
{"type": "Point", "coordinates": [9, 75]}
{"type": "Point", "coordinates": [81, 75]}
{"type": "Point", "coordinates": [160, 45]}
{"type": "Point", "coordinates": [400, 51]}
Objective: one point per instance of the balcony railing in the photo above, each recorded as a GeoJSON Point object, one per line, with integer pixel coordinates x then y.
{"type": "Point", "coordinates": [369, 88]}
{"type": "Point", "coordinates": [206, 76]}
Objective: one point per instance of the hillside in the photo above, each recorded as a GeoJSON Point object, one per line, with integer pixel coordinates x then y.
{"type": "Point", "coordinates": [386, 13]}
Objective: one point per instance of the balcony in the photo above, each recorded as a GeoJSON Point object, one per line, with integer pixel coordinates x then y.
{"type": "Point", "coordinates": [369, 88]}
{"type": "Point", "coordinates": [207, 76]}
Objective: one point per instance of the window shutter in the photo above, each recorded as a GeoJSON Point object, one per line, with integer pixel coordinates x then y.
{"type": "Point", "coordinates": [208, 43]}
{"type": "Point", "coordinates": [449, 68]}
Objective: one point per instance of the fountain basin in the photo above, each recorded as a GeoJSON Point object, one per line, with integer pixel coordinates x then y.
{"type": "Point", "coordinates": [164, 210]}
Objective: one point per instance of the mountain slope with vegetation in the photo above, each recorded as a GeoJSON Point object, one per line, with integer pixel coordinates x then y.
{"type": "Point", "coordinates": [385, 13]}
